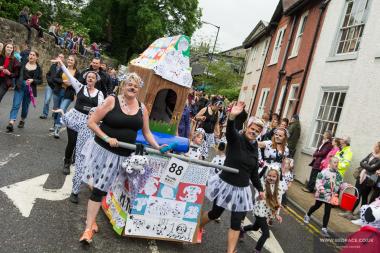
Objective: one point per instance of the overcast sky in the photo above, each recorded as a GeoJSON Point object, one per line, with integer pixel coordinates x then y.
{"type": "Point", "coordinates": [236, 19]}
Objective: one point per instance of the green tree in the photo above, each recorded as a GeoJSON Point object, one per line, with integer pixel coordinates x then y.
{"type": "Point", "coordinates": [130, 26]}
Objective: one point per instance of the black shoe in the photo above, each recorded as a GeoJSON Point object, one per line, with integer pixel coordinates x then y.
{"type": "Point", "coordinates": [66, 168]}
{"type": "Point", "coordinates": [43, 117]}
{"type": "Point", "coordinates": [241, 235]}
{"type": "Point", "coordinates": [74, 198]}
{"type": "Point", "coordinates": [10, 128]}
{"type": "Point", "coordinates": [21, 124]}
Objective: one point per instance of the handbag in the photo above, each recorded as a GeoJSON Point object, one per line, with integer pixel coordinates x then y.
{"type": "Point", "coordinates": [357, 172]}
{"type": "Point", "coordinates": [334, 200]}
{"type": "Point", "coordinates": [371, 180]}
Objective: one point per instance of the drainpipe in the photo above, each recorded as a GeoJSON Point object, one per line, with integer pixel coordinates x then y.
{"type": "Point", "coordinates": [261, 74]}
{"type": "Point", "coordinates": [322, 9]}
{"type": "Point", "coordinates": [282, 71]}
{"type": "Point", "coordinates": [288, 80]}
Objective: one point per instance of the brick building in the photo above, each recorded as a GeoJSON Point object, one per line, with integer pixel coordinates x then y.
{"type": "Point", "coordinates": [295, 28]}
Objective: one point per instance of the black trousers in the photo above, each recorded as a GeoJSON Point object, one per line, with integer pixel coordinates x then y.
{"type": "Point", "coordinates": [260, 222]}
{"type": "Point", "coordinates": [312, 179]}
{"type": "Point", "coordinates": [71, 142]}
{"type": "Point", "coordinates": [3, 88]}
{"type": "Point", "coordinates": [236, 217]}
{"type": "Point", "coordinates": [326, 215]}
{"type": "Point", "coordinates": [364, 192]}
{"type": "Point", "coordinates": [375, 194]}
{"type": "Point", "coordinates": [29, 32]}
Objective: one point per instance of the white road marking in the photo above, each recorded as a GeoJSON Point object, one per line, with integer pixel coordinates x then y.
{"type": "Point", "coordinates": [153, 246]}
{"type": "Point", "coordinates": [25, 193]}
{"type": "Point", "coordinates": [8, 158]}
{"type": "Point", "coordinates": [60, 131]}
{"type": "Point", "coordinates": [271, 244]}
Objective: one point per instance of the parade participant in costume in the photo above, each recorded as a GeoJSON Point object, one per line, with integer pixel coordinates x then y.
{"type": "Point", "coordinates": [78, 133]}
{"type": "Point", "coordinates": [328, 184]}
{"type": "Point", "coordinates": [266, 209]}
{"type": "Point", "coordinates": [121, 117]}
{"type": "Point", "coordinates": [275, 150]}
{"type": "Point", "coordinates": [9, 68]}
{"type": "Point", "coordinates": [195, 144]}
{"type": "Point", "coordinates": [287, 177]}
{"type": "Point", "coordinates": [229, 190]}
{"type": "Point", "coordinates": [25, 90]}
{"type": "Point", "coordinates": [209, 122]}
{"type": "Point", "coordinates": [220, 156]}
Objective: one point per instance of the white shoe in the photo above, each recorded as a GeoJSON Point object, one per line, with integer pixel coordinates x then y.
{"type": "Point", "coordinates": [357, 222]}
{"type": "Point", "coordinates": [51, 129]}
{"type": "Point", "coordinates": [306, 219]}
{"type": "Point", "coordinates": [324, 232]}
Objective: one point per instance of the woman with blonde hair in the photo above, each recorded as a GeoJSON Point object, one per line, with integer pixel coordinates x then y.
{"type": "Point", "coordinates": [117, 119]}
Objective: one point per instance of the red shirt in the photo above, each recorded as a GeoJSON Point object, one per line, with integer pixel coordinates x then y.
{"type": "Point", "coordinates": [6, 64]}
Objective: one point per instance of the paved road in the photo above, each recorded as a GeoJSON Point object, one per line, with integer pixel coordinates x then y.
{"type": "Point", "coordinates": [55, 226]}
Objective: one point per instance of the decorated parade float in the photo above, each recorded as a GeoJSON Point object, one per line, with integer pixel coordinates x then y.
{"type": "Point", "coordinates": [158, 197]}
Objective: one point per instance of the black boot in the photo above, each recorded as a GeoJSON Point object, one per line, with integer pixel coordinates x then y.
{"type": "Point", "coordinates": [66, 167]}
{"type": "Point", "coordinates": [74, 198]}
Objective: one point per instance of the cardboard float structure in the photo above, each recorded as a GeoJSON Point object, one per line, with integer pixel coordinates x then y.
{"type": "Point", "coordinates": [168, 206]}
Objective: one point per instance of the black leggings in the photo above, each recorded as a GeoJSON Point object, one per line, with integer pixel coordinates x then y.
{"type": "Point", "coordinates": [3, 87]}
{"type": "Point", "coordinates": [97, 195]}
{"type": "Point", "coordinates": [236, 217]}
{"type": "Point", "coordinates": [326, 215]}
{"type": "Point", "coordinates": [260, 222]}
{"type": "Point", "coordinates": [71, 142]}
{"type": "Point", "coordinates": [364, 192]}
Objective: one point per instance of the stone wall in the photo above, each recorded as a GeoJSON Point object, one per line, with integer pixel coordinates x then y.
{"type": "Point", "coordinates": [18, 33]}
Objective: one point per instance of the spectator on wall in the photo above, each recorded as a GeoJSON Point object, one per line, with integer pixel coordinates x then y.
{"type": "Point", "coordinates": [35, 23]}
{"type": "Point", "coordinates": [23, 19]}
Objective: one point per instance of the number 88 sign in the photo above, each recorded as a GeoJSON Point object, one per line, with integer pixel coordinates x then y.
{"type": "Point", "coordinates": [173, 172]}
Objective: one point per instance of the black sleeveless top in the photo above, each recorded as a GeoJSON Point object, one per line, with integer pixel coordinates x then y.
{"type": "Point", "coordinates": [84, 103]}
{"type": "Point", "coordinates": [209, 123]}
{"type": "Point", "coordinates": [123, 127]}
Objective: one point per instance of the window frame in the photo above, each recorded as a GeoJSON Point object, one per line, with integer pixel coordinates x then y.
{"type": "Point", "coordinates": [309, 149]}
{"type": "Point", "coordinates": [277, 49]}
{"type": "Point", "coordinates": [264, 51]}
{"type": "Point", "coordinates": [261, 106]}
{"type": "Point", "coordinates": [289, 99]}
{"type": "Point", "coordinates": [281, 98]}
{"type": "Point", "coordinates": [334, 55]}
{"type": "Point", "coordinates": [298, 38]}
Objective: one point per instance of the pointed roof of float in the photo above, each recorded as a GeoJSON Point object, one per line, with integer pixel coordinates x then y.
{"type": "Point", "coordinates": [168, 57]}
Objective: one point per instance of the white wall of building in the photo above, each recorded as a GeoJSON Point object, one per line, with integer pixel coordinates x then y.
{"type": "Point", "coordinates": [360, 118]}
{"type": "Point", "coordinates": [254, 65]}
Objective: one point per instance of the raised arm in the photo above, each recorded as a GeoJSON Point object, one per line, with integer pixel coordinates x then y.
{"type": "Point", "coordinates": [74, 82]}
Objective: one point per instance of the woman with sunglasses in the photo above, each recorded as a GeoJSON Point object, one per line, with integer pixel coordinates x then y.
{"type": "Point", "coordinates": [117, 119]}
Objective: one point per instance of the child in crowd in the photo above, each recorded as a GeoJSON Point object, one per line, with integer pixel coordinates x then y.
{"type": "Point", "coordinates": [195, 145]}
{"type": "Point", "coordinates": [287, 177]}
{"type": "Point", "coordinates": [220, 155]}
{"type": "Point", "coordinates": [325, 162]}
{"type": "Point", "coordinates": [266, 209]}
{"type": "Point", "coordinates": [327, 186]}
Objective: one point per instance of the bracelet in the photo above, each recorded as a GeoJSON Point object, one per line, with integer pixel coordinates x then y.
{"type": "Point", "coordinates": [105, 138]}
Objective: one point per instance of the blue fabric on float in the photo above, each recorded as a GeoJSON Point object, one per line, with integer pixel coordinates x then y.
{"type": "Point", "coordinates": [161, 138]}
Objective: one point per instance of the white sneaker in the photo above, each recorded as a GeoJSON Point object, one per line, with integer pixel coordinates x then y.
{"type": "Point", "coordinates": [324, 232]}
{"type": "Point", "coordinates": [306, 219]}
{"type": "Point", "coordinates": [357, 222]}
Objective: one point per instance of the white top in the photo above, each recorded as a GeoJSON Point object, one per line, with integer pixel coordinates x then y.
{"type": "Point", "coordinates": [78, 86]}
{"type": "Point", "coordinates": [194, 152]}
{"type": "Point", "coordinates": [260, 207]}
{"type": "Point", "coordinates": [218, 159]}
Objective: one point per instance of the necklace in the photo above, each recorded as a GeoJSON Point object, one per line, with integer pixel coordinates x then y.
{"type": "Point", "coordinates": [124, 105]}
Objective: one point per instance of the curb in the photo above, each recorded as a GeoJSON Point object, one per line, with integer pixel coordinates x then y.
{"type": "Point", "coordinates": [317, 221]}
